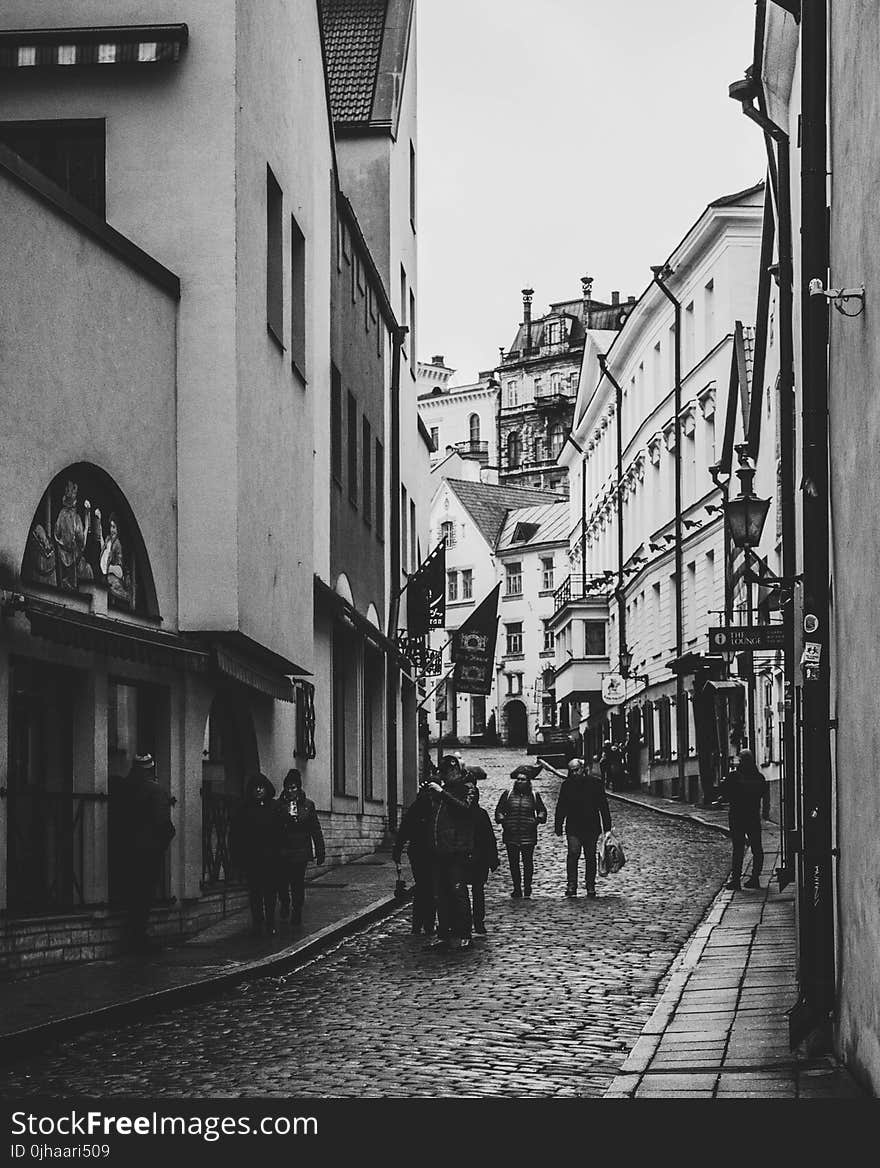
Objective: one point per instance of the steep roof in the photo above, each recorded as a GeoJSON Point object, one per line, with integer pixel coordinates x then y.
{"type": "Point", "coordinates": [737, 196]}
{"type": "Point", "coordinates": [488, 504]}
{"type": "Point", "coordinates": [548, 523]}
{"type": "Point", "coordinates": [366, 47]}
{"type": "Point", "coordinates": [352, 41]}
{"type": "Point", "coordinates": [602, 316]}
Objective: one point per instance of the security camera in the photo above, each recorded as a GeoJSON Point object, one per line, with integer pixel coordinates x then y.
{"type": "Point", "coordinates": [817, 288]}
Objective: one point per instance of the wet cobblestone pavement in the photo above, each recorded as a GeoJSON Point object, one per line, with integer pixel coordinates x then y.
{"type": "Point", "coordinates": [548, 1005]}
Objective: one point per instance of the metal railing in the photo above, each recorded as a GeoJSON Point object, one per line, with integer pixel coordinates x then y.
{"type": "Point", "coordinates": [578, 587]}
{"type": "Point", "coordinates": [473, 446]}
{"type": "Point", "coordinates": [46, 848]}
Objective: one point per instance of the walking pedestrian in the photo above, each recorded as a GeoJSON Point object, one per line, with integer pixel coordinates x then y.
{"type": "Point", "coordinates": [520, 811]}
{"type": "Point", "coordinates": [300, 840]}
{"type": "Point", "coordinates": [254, 848]}
{"type": "Point", "coordinates": [414, 833]}
{"type": "Point", "coordinates": [484, 860]}
{"type": "Point", "coordinates": [582, 812]}
{"type": "Point", "coordinates": [745, 789]}
{"type": "Point", "coordinates": [143, 829]}
{"type": "Point", "coordinates": [452, 845]}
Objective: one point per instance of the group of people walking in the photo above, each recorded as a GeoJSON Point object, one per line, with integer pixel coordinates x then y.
{"type": "Point", "coordinates": [452, 846]}
{"type": "Point", "coordinates": [271, 842]}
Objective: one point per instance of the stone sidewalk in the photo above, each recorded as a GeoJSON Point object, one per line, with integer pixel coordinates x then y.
{"type": "Point", "coordinates": [720, 1029]}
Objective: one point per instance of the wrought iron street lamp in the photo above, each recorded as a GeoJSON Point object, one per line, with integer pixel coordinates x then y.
{"type": "Point", "coordinates": [746, 513]}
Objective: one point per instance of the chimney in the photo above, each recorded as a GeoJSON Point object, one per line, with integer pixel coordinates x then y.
{"type": "Point", "coordinates": [527, 294]}
{"type": "Point", "coordinates": [438, 360]}
{"type": "Point", "coordinates": [615, 299]}
{"type": "Point", "coordinates": [630, 299]}
{"type": "Point", "coordinates": [587, 291]}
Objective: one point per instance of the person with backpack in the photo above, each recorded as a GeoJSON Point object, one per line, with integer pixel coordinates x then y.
{"type": "Point", "coordinates": [745, 789]}
{"type": "Point", "coordinates": [520, 811]}
{"type": "Point", "coordinates": [582, 812]}
{"type": "Point", "coordinates": [484, 859]}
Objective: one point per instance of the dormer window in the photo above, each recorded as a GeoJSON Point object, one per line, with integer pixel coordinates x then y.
{"type": "Point", "coordinates": [523, 532]}
{"type": "Point", "coordinates": [554, 332]}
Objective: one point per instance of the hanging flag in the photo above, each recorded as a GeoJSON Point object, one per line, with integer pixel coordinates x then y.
{"type": "Point", "coordinates": [426, 594]}
{"type": "Point", "coordinates": [473, 647]}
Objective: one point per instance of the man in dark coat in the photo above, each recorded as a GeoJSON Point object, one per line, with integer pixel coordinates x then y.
{"type": "Point", "coordinates": [300, 839]}
{"type": "Point", "coordinates": [143, 830]}
{"type": "Point", "coordinates": [582, 811]}
{"type": "Point", "coordinates": [254, 847]}
{"type": "Point", "coordinates": [452, 845]}
{"type": "Point", "coordinates": [745, 788]}
{"type": "Point", "coordinates": [484, 859]}
{"type": "Point", "coordinates": [414, 833]}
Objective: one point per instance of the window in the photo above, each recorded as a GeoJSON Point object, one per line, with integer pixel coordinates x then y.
{"type": "Point", "coordinates": [549, 640]}
{"type": "Point", "coordinates": [404, 537]}
{"type": "Point", "coordinates": [514, 683]}
{"type": "Point", "coordinates": [403, 299]}
{"type": "Point", "coordinates": [689, 337]}
{"type": "Point", "coordinates": [512, 394]}
{"type": "Point", "coordinates": [374, 676]}
{"type": "Point", "coordinates": [297, 298]}
{"type": "Point", "coordinates": [478, 714]}
{"type": "Point", "coordinates": [546, 573]}
{"type": "Point", "coordinates": [513, 585]}
{"type": "Point", "coordinates": [554, 332]}
{"type": "Point", "coordinates": [340, 657]}
{"type": "Point", "coordinates": [514, 450]}
{"type": "Point", "coordinates": [452, 585]}
{"type": "Point", "coordinates": [539, 393]}
{"type": "Point", "coordinates": [412, 185]}
{"type": "Point", "coordinates": [274, 266]}
{"type": "Point", "coordinates": [380, 492]}
{"type": "Point", "coordinates": [367, 469]}
{"type": "Point", "coordinates": [352, 448]}
{"type": "Point", "coordinates": [594, 638]}
{"type": "Point", "coordinates": [514, 639]}
{"type": "Point", "coordinates": [557, 439]}
{"type": "Point", "coordinates": [467, 584]}
{"type": "Point", "coordinates": [335, 424]}
{"type": "Point", "coordinates": [447, 532]}
{"type": "Point", "coordinates": [435, 437]}
{"type": "Point", "coordinates": [474, 428]}
{"type": "Point", "coordinates": [709, 317]}
{"type": "Point", "coordinates": [70, 154]}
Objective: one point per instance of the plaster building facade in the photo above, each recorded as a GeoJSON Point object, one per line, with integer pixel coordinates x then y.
{"type": "Point", "coordinates": [538, 378]}
{"type": "Point", "coordinates": [460, 418]}
{"type": "Point", "coordinates": [656, 609]}
{"type": "Point", "coordinates": [515, 537]}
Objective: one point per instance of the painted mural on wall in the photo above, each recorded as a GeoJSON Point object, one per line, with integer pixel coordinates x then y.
{"type": "Point", "coordinates": [83, 533]}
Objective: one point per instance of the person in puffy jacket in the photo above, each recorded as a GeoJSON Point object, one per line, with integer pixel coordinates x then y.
{"type": "Point", "coordinates": [745, 789]}
{"type": "Point", "coordinates": [484, 859]}
{"type": "Point", "coordinates": [414, 833]}
{"type": "Point", "coordinates": [452, 846]}
{"type": "Point", "coordinates": [520, 811]}
{"type": "Point", "coordinates": [254, 848]}
{"type": "Point", "coordinates": [582, 812]}
{"type": "Point", "coordinates": [300, 839]}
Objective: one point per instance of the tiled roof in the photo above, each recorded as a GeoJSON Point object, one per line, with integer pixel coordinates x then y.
{"type": "Point", "coordinates": [353, 42]}
{"type": "Point", "coordinates": [551, 521]}
{"type": "Point", "coordinates": [488, 504]}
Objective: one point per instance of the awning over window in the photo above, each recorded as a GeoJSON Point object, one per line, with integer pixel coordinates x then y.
{"type": "Point", "coordinates": [113, 638]}
{"type": "Point", "coordinates": [725, 686]}
{"type": "Point", "coordinates": [145, 44]}
{"type": "Point", "coordinates": [253, 674]}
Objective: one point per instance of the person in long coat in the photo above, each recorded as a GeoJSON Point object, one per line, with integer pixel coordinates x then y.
{"type": "Point", "coordinates": [582, 812]}
{"type": "Point", "coordinates": [483, 860]}
{"type": "Point", "coordinates": [414, 833]}
{"type": "Point", "coordinates": [254, 848]}
{"type": "Point", "coordinates": [452, 845]}
{"type": "Point", "coordinates": [300, 840]}
{"type": "Point", "coordinates": [745, 789]}
{"type": "Point", "coordinates": [142, 830]}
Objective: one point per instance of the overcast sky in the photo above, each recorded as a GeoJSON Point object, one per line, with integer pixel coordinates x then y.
{"type": "Point", "coordinates": [562, 138]}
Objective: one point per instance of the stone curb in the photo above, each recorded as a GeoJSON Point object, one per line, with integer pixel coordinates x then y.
{"type": "Point", "coordinates": [285, 961]}
{"type": "Point", "coordinates": [691, 815]}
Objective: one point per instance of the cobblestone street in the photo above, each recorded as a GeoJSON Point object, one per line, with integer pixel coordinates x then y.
{"type": "Point", "coordinates": [549, 1004]}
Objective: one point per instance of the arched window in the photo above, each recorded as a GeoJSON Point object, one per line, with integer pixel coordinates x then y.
{"type": "Point", "coordinates": [475, 428]}
{"type": "Point", "coordinates": [84, 531]}
{"type": "Point", "coordinates": [514, 450]}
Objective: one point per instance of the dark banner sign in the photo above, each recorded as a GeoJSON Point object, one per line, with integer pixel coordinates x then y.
{"type": "Point", "coordinates": [426, 595]}
{"type": "Point", "coordinates": [743, 637]}
{"type": "Point", "coordinates": [473, 648]}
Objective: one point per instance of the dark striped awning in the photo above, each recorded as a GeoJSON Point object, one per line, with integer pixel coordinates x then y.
{"type": "Point", "coordinates": [146, 44]}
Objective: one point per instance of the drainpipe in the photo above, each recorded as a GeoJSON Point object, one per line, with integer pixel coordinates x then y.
{"type": "Point", "coordinates": [392, 674]}
{"type": "Point", "coordinates": [747, 92]}
{"type": "Point", "coordinates": [580, 450]}
{"type": "Point", "coordinates": [663, 272]}
{"type": "Point", "coordinates": [621, 598]}
{"type": "Point", "coordinates": [817, 934]}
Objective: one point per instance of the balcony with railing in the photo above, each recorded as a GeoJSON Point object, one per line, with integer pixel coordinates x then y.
{"type": "Point", "coordinates": [473, 448]}
{"type": "Point", "coordinates": [577, 589]}
{"type": "Point", "coordinates": [554, 396]}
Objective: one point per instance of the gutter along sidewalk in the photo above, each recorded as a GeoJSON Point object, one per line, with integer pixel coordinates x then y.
{"type": "Point", "coordinates": [57, 1003]}
{"type": "Point", "coordinates": [720, 1029]}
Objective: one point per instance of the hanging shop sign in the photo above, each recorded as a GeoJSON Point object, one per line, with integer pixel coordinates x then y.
{"type": "Point", "coordinates": [613, 689]}
{"type": "Point", "coordinates": [740, 637]}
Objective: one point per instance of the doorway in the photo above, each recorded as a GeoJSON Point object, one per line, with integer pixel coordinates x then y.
{"type": "Point", "coordinates": [517, 724]}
